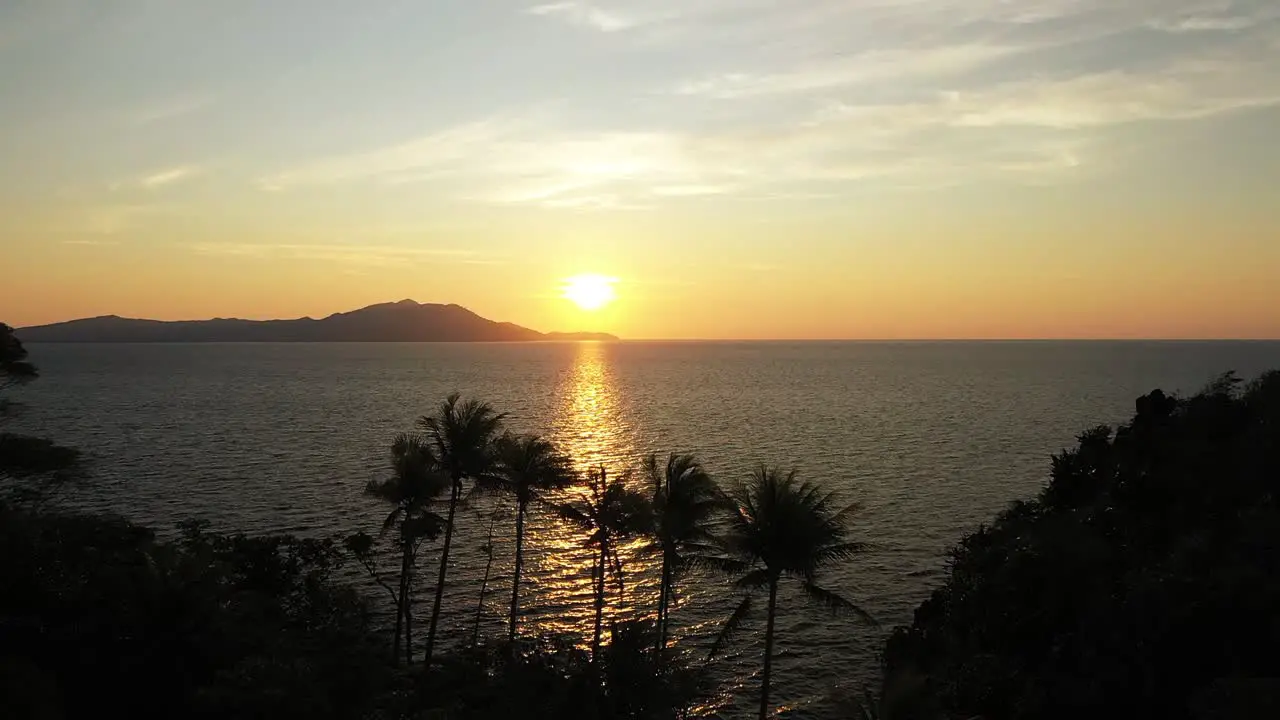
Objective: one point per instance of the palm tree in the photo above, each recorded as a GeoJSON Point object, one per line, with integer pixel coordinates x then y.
{"type": "Point", "coordinates": [460, 435]}
{"type": "Point", "coordinates": [782, 527]}
{"type": "Point", "coordinates": [685, 501]}
{"type": "Point", "coordinates": [610, 513]}
{"type": "Point", "coordinates": [414, 484]}
{"type": "Point", "coordinates": [527, 468]}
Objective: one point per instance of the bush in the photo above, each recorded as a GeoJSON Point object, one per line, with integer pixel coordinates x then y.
{"type": "Point", "coordinates": [1143, 581]}
{"type": "Point", "coordinates": [98, 617]}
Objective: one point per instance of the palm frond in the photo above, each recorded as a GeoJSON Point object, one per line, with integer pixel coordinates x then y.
{"type": "Point", "coordinates": [426, 526]}
{"type": "Point", "coordinates": [725, 565]}
{"type": "Point", "coordinates": [653, 473]}
{"type": "Point", "coordinates": [575, 515]}
{"type": "Point", "coordinates": [847, 512]}
{"type": "Point", "coordinates": [840, 551]}
{"type": "Point", "coordinates": [836, 604]}
{"type": "Point", "coordinates": [618, 575]}
{"type": "Point", "coordinates": [461, 435]}
{"type": "Point", "coordinates": [730, 627]}
{"type": "Point", "coordinates": [392, 519]}
{"type": "Point", "coordinates": [753, 580]}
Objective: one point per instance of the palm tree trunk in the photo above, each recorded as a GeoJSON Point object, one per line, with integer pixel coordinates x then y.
{"type": "Point", "coordinates": [768, 650]}
{"type": "Point", "coordinates": [408, 613]}
{"type": "Point", "coordinates": [664, 590]}
{"type": "Point", "coordinates": [515, 583]}
{"type": "Point", "coordinates": [603, 564]}
{"type": "Point", "coordinates": [484, 586]}
{"type": "Point", "coordinates": [401, 595]}
{"type": "Point", "coordinates": [444, 571]}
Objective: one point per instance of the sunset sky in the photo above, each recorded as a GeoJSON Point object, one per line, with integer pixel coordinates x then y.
{"type": "Point", "coordinates": [743, 168]}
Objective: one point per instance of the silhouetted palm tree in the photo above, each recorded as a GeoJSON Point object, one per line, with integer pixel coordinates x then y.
{"type": "Point", "coordinates": [781, 527]}
{"type": "Point", "coordinates": [610, 513]}
{"type": "Point", "coordinates": [526, 467]}
{"type": "Point", "coordinates": [461, 436]}
{"type": "Point", "coordinates": [415, 483]}
{"type": "Point", "coordinates": [685, 501]}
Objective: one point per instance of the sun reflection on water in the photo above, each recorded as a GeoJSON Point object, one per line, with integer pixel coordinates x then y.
{"type": "Point", "coordinates": [592, 427]}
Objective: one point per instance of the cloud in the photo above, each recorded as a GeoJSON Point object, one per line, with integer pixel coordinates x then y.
{"type": "Point", "coordinates": [584, 14]}
{"type": "Point", "coordinates": [113, 219]}
{"type": "Point", "coordinates": [170, 176]}
{"type": "Point", "coordinates": [760, 99]}
{"type": "Point", "coordinates": [1189, 91]}
{"type": "Point", "coordinates": [439, 151]}
{"type": "Point", "coordinates": [1020, 130]}
{"type": "Point", "coordinates": [1206, 24]}
{"type": "Point", "coordinates": [169, 108]}
{"type": "Point", "coordinates": [348, 254]}
{"type": "Point", "coordinates": [841, 72]}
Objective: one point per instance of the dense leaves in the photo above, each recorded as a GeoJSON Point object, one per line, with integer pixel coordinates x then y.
{"type": "Point", "coordinates": [1143, 582]}
{"type": "Point", "coordinates": [30, 467]}
{"type": "Point", "coordinates": [14, 367]}
{"type": "Point", "coordinates": [98, 618]}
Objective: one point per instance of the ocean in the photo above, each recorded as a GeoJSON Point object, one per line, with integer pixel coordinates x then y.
{"type": "Point", "coordinates": [931, 438]}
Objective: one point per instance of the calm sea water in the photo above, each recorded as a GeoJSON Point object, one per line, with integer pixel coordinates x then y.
{"type": "Point", "coordinates": [932, 439]}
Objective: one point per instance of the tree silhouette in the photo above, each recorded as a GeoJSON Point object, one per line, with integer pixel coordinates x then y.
{"type": "Point", "coordinates": [461, 436]}
{"type": "Point", "coordinates": [14, 367]}
{"type": "Point", "coordinates": [42, 463]}
{"type": "Point", "coordinates": [609, 513]}
{"type": "Point", "coordinates": [1143, 581]}
{"type": "Point", "coordinates": [415, 484]}
{"type": "Point", "coordinates": [685, 502]}
{"type": "Point", "coordinates": [781, 527]}
{"type": "Point", "coordinates": [526, 468]}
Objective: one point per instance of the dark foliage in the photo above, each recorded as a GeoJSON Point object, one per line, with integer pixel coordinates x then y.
{"type": "Point", "coordinates": [553, 679]}
{"type": "Point", "coordinates": [38, 465]}
{"type": "Point", "coordinates": [98, 618]}
{"type": "Point", "coordinates": [14, 367]}
{"type": "Point", "coordinates": [1143, 582]}
{"type": "Point", "coordinates": [24, 457]}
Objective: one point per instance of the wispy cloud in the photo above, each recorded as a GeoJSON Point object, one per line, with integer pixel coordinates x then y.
{"type": "Point", "coordinates": [162, 178]}
{"type": "Point", "coordinates": [1190, 91]}
{"type": "Point", "coordinates": [798, 101]}
{"type": "Point", "coordinates": [114, 219]}
{"type": "Point", "coordinates": [438, 151]}
{"type": "Point", "coordinates": [1206, 24]}
{"type": "Point", "coordinates": [841, 72]}
{"type": "Point", "coordinates": [351, 253]}
{"type": "Point", "coordinates": [586, 14]}
{"type": "Point", "coordinates": [169, 108]}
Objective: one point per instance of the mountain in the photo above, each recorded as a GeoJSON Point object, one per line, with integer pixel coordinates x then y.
{"type": "Point", "coordinates": [404, 321]}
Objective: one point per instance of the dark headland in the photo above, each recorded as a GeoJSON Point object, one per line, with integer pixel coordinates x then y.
{"type": "Point", "coordinates": [404, 321]}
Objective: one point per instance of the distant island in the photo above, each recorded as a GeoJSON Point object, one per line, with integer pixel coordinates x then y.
{"type": "Point", "coordinates": [404, 321]}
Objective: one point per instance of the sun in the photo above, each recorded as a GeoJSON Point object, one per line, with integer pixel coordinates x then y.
{"type": "Point", "coordinates": [589, 292]}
